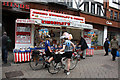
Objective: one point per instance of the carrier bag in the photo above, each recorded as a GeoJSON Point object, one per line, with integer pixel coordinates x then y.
{"type": "Point", "coordinates": [117, 54]}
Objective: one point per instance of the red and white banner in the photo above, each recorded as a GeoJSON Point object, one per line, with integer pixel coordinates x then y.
{"type": "Point", "coordinates": [22, 56]}
{"type": "Point", "coordinates": [28, 21]}
{"type": "Point", "coordinates": [48, 16]}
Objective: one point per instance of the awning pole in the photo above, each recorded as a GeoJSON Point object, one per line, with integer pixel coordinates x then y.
{"type": "Point", "coordinates": [60, 34]}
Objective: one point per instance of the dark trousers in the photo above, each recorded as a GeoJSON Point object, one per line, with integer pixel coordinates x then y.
{"type": "Point", "coordinates": [106, 50]}
{"type": "Point", "coordinates": [113, 52]}
{"type": "Point", "coordinates": [4, 54]}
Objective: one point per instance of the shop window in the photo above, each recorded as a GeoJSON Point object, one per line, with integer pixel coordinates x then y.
{"type": "Point", "coordinates": [86, 7]}
{"type": "Point", "coordinates": [98, 10]}
{"type": "Point", "coordinates": [93, 8]}
{"type": "Point", "coordinates": [111, 14]}
{"type": "Point", "coordinates": [97, 38]}
{"type": "Point", "coordinates": [115, 16]}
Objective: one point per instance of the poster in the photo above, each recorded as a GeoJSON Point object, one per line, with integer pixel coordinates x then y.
{"type": "Point", "coordinates": [88, 41]}
{"type": "Point", "coordinates": [88, 37]}
{"type": "Point", "coordinates": [43, 33]}
{"type": "Point", "coordinates": [23, 35]}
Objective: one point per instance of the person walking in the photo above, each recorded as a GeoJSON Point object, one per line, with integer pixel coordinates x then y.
{"type": "Point", "coordinates": [114, 47]}
{"type": "Point", "coordinates": [83, 46]}
{"type": "Point", "coordinates": [106, 46]}
{"type": "Point", "coordinates": [4, 47]}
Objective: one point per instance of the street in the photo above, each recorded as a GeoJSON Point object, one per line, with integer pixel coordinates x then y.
{"type": "Point", "coordinates": [98, 66]}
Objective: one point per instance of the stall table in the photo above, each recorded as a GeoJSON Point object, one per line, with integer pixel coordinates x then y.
{"type": "Point", "coordinates": [23, 56]}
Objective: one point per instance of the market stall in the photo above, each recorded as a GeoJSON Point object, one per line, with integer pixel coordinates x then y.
{"type": "Point", "coordinates": [30, 33]}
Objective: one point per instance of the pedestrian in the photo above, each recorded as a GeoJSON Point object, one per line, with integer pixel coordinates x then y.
{"type": "Point", "coordinates": [114, 47]}
{"type": "Point", "coordinates": [106, 46]}
{"type": "Point", "coordinates": [83, 46]}
{"type": "Point", "coordinates": [5, 39]}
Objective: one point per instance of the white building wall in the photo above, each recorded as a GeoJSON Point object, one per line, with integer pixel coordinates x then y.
{"type": "Point", "coordinates": [105, 33]}
{"type": "Point", "coordinates": [111, 4]}
{"type": "Point", "coordinates": [82, 7]}
{"type": "Point", "coordinates": [100, 1]}
{"type": "Point", "coordinates": [74, 4]}
{"type": "Point", "coordinates": [102, 12]}
{"type": "Point", "coordinates": [95, 8]}
{"type": "Point", "coordinates": [89, 6]}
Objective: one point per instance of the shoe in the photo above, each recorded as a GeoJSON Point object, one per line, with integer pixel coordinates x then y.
{"type": "Point", "coordinates": [68, 73]}
{"type": "Point", "coordinates": [106, 55]}
{"type": "Point", "coordinates": [65, 71]}
{"type": "Point", "coordinates": [36, 64]}
{"type": "Point", "coordinates": [78, 59]}
{"type": "Point", "coordinates": [47, 64]}
{"type": "Point", "coordinates": [113, 60]}
{"type": "Point", "coordinates": [83, 58]}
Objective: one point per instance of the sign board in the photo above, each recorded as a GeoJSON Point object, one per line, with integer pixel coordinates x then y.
{"type": "Point", "coordinates": [107, 22]}
{"type": "Point", "coordinates": [25, 21]}
{"type": "Point", "coordinates": [16, 5]}
{"type": "Point", "coordinates": [50, 22]}
{"type": "Point", "coordinates": [88, 41]}
{"type": "Point", "coordinates": [84, 26]}
{"type": "Point", "coordinates": [22, 34]}
{"type": "Point", "coordinates": [46, 15]}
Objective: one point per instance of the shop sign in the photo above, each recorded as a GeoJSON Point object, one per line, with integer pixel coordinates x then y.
{"type": "Point", "coordinates": [15, 5]}
{"type": "Point", "coordinates": [107, 22]}
{"type": "Point", "coordinates": [40, 14]}
{"type": "Point", "coordinates": [25, 21]}
{"type": "Point", "coordinates": [51, 22]}
{"type": "Point", "coordinates": [84, 26]}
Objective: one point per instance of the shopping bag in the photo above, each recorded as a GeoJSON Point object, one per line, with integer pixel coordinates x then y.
{"type": "Point", "coordinates": [117, 54]}
{"type": "Point", "coordinates": [109, 50]}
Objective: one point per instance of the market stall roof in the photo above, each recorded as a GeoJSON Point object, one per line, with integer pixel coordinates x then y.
{"type": "Point", "coordinates": [73, 25]}
{"type": "Point", "coordinates": [82, 25]}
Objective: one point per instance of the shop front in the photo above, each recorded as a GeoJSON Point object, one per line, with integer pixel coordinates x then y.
{"type": "Point", "coordinates": [30, 33]}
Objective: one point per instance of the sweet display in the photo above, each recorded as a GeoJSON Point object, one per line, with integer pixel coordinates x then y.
{"type": "Point", "coordinates": [43, 33]}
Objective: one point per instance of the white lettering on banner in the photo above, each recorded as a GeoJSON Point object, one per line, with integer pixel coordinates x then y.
{"type": "Point", "coordinates": [85, 26]}
{"type": "Point", "coordinates": [51, 22]}
{"type": "Point", "coordinates": [25, 21]}
{"type": "Point", "coordinates": [17, 46]}
{"type": "Point", "coordinates": [39, 14]}
{"type": "Point", "coordinates": [107, 22]}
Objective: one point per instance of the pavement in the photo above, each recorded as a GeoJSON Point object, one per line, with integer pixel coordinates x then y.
{"type": "Point", "coordinates": [98, 66]}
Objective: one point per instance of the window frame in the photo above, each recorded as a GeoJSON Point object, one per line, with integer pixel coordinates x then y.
{"type": "Point", "coordinates": [86, 3]}
{"type": "Point", "coordinates": [115, 15]}
{"type": "Point", "coordinates": [92, 8]}
{"type": "Point", "coordinates": [99, 10]}
{"type": "Point", "coordinates": [111, 17]}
